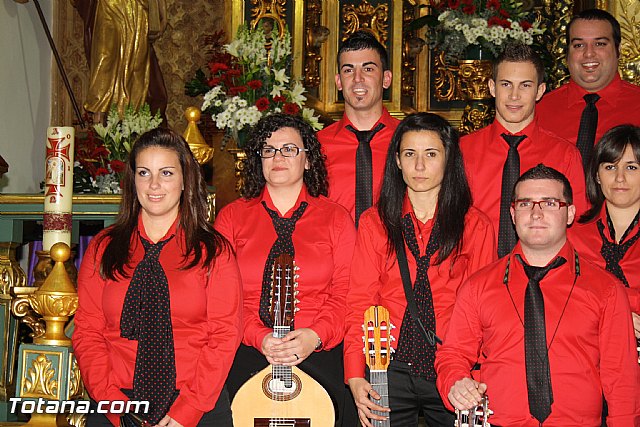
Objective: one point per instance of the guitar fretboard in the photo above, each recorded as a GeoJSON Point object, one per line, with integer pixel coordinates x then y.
{"type": "Point", "coordinates": [379, 384]}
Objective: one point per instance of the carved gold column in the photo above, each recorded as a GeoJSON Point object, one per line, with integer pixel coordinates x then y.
{"type": "Point", "coordinates": [473, 83]}
{"type": "Point", "coordinates": [47, 369]}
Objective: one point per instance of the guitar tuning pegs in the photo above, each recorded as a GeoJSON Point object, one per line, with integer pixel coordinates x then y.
{"type": "Point", "coordinates": [296, 292]}
{"type": "Point", "coordinates": [296, 301]}
{"type": "Point", "coordinates": [295, 310]}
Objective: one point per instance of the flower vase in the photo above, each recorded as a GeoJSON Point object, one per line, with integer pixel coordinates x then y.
{"type": "Point", "coordinates": [474, 73]}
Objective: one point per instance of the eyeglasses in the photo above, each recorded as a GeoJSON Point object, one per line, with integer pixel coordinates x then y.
{"type": "Point", "coordinates": [286, 151]}
{"type": "Point", "coordinates": [545, 205]}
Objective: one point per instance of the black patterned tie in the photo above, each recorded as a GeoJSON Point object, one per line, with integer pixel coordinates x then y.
{"type": "Point", "coordinates": [364, 169]}
{"type": "Point", "coordinates": [613, 252]}
{"type": "Point", "coordinates": [536, 352]}
{"type": "Point", "coordinates": [507, 238]}
{"type": "Point", "coordinates": [146, 317]}
{"type": "Point", "coordinates": [284, 244]}
{"type": "Point", "coordinates": [587, 131]}
{"type": "Point", "coordinates": [413, 347]}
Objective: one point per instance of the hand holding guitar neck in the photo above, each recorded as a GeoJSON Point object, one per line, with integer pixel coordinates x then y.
{"type": "Point", "coordinates": [466, 393]}
{"type": "Point", "coordinates": [292, 349]}
{"type": "Point", "coordinates": [477, 416]}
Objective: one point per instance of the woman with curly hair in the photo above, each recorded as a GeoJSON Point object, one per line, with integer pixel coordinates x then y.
{"type": "Point", "coordinates": [159, 310]}
{"type": "Point", "coordinates": [284, 209]}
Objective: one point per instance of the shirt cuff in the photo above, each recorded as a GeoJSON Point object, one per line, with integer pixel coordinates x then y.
{"type": "Point", "coordinates": [184, 413]}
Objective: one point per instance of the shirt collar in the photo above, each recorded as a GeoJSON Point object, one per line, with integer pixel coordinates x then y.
{"type": "Point", "coordinates": [266, 197]}
{"type": "Point", "coordinates": [608, 95]}
{"type": "Point", "coordinates": [170, 232]}
{"type": "Point", "coordinates": [530, 131]}
{"type": "Point", "coordinates": [407, 208]}
{"type": "Point", "coordinates": [385, 118]}
{"type": "Point", "coordinates": [567, 252]}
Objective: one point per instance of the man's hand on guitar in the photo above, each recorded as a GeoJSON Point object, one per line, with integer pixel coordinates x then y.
{"type": "Point", "coordinates": [361, 390]}
{"type": "Point", "coordinates": [466, 393]}
{"type": "Point", "coordinates": [636, 324]}
{"type": "Point", "coordinates": [291, 349]}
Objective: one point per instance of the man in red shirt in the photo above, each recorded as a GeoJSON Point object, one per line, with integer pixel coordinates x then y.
{"type": "Point", "coordinates": [363, 74]}
{"type": "Point", "coordinates": [593, 49]}
{"type": "Point", "coordinates": [554, 329]}
{"type": "Point", "coordinates": [492, 164]}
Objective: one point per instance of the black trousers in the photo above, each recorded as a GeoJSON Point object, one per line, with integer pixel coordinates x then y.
{"type": "Point", "coordinates": [326, 367]}
{"type": "Point", "coordinates": [410, 395]}
{"type": "Point", "coordinates": [219, 416]}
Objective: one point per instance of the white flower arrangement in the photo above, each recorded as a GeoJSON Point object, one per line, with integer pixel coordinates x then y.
{"type": "Point", "coordinates": [255, 83]}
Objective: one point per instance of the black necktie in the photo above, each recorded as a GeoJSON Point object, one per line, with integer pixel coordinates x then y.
{"type": "Point", "coordinates": [535, 341]}
{"type": "Point", "coordinates": [413, 347]}
{"type": "Point", "coordinates": [146, 317]}
{"type": "Point", "coordinates": [587, 131]}
{"type": "Point", "coordinates": [613, 252]}
{"type": "Point", "coordinates": [284, 244]}
{"type": "Point", "coordinates": [364, 169]}
{"type": "Point", "coordinates": [510, 172]}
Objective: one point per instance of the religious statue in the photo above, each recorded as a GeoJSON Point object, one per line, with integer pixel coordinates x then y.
{"type": "Point", "coordinates": [123, 66]}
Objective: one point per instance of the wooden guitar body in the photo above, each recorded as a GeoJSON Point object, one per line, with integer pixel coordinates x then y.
{"type": "Point", "coordinates": [305, 403]}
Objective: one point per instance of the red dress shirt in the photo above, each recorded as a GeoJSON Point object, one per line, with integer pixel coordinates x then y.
{"type": "Point", "coordinates": [587, 241]}
{"type": "Point", "coordinates": [206, 315]}
{"type": "Point", "coordinates": [323, 239]}
{"type": "Point", "coordinates": [376, 280]}
{"type": "Point", "coordinates": [339, 144]}
{"type": "Point", "coordinates": [485, 152]}
{"type": "Point", "coordinates": [589, 331]}
{"type": "Point", "coordinates": [560, 110]}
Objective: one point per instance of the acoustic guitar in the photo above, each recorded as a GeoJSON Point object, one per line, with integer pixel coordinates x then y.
{"type": "Point", "coordinates": [280, 396]}
{"type": "Point", "coordinates": [377, 352]}
{"type": "Point", "coordinates": [477, 416]}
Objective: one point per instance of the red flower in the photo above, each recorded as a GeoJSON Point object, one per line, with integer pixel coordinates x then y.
{"type": "Point", "coordinates": [216, 67]}
{"type": "Point", "coordinates": [525, 25]}
{"type": "Point", "coordinates": [255, 84]}
{"type": "Point", "coordinates": [102, 171]}
{"type": "Point", "coordinates": [469, 9]}
{"type": "Point", "coordinates": [493, 4]}
{"type": "Point", "coordinates": [505, 23]}
{"type": "Point", "coordinates": [99, 151]}
{"type": "Point", "coordinates": [235, 90]}
{"type": "Point", "coordinates": [234, 72]}
{"type": "Point", "coordinates": [117, 166]}
{"type": "Point", "coordinates": [504, 13]}
{"type": "Point", "coordinates": [493, 21]}
{"type": "Point", "coordinates": [279, 98]}
{"type": "Point", "coordinates": [214, 81]}
{"type": "Point", "coordinates": [291, 108]}
{"type": "Point", "coordinates": [453, 4]}
{"type": "Point", "coordinates": [262, 104]}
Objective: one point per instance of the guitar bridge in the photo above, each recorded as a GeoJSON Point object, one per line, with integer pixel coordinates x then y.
{"type": "Point", "coordinates": [282, 422]}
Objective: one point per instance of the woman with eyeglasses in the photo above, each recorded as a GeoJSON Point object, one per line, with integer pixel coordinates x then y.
{"type": "Point", "coordinates": [425, 212]}
{"type": "Point", "coordinates": [608, 234]}
{"type": "Point", "coordinates": [284, 209]}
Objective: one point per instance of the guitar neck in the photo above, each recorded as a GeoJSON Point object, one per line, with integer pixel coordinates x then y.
{"type": "Point", "coordinates": [380, 385]}
{"type": "Point", "coordinates": [281, 331]}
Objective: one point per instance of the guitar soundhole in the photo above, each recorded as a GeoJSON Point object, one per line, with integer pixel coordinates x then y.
{"type": "Point", "coordinates": [282, 389]}
{"type": "Point", "coordinates": [281, 422]}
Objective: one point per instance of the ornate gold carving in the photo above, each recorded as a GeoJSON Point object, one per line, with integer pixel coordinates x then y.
{"type": "Point", "coordinates": [474, 79]}
{"type": "Point", "coordinates": [76, 387]}
{"type": "Point", "coordinates": [412, 46]}
{"type": "Point", "coordinates": [556, 14]}
{"type": "Point", "coordinates": [45, 264]}
{"type": "Point", "coordinates": [628, 14]}
{"type": "Point", "coordinates": [476, 115]}
{"type": "Point", "coordinates": [11, 274]}
{"type": "Point", "coordinates": [317, 35]}
{"type": "Point", "coordinates": [269, 13]}
{"type": "Point", "coordinates": [200, 149]}
{"type": "Point", "coordinates": [77, 420]}
{"type": "Point", "coordinates": [40, 379]}
{"type": "Point", "coordinates": [239, 157]}
{"type": "Point", "coordinates": [366, 17]}
{"type": "Point", "coordinates": [20, 307]}
{"type": "Point", "coordinates": [445, 87]}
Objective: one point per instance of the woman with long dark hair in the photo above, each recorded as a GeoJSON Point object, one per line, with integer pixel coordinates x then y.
{"type": "Point", "coordinates": [284, 209]}
{"type": "Point", "coordinates": [424, 211]}
{"type": "Point", "coordinates": [608, 234]}
{"type": "Point", "coordinates": [159, 311]}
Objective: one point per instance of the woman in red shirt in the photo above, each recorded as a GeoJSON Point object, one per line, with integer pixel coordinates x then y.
{"type": "Point", "coordinates": [609, 234]}
{"type": "Point", "coordinates": [159, 311]}
{"type": "Point", "coordinates": [424, 210]}
{"type": "Point", "coordinates": [284, 209]}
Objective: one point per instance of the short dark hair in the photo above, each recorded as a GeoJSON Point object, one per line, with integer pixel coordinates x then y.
{"type": "Point", "coordinates": [361, 40]}
{"type": "Point", "coordinates": [315, 178]}
{"type": "Point", "coordinates": [609, 150]}
{"type": "Point", "coordinates": [545, 172]}
{"type": "Point", "coordinates": [597, 15]}
{"type": "Point", "coordinates": [454, 197]}
{"type": "Point", "coordinates": [519, 52]}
